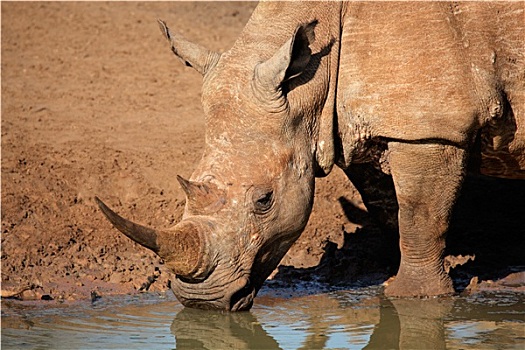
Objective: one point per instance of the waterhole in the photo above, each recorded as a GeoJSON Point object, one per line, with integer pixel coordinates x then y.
{"type": "Point", "coordinates": [346, 319]}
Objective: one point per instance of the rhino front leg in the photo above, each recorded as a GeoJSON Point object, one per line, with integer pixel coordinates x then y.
{"type": "Point", "coordinates": [427, 179]}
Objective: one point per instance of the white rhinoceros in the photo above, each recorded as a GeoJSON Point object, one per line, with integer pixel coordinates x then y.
{"type": "Point", "coordinates": [415, 89]}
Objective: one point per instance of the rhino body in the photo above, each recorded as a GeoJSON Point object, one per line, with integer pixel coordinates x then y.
{"type": "Point", "coordinates": [414, 90]}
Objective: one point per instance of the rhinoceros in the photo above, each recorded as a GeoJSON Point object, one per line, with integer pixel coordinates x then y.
{"type": "Point", "coordinates": [415, 89]}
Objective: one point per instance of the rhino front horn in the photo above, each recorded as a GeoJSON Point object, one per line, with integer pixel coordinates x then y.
{"type": "Point", "coordinates": [182, 248]}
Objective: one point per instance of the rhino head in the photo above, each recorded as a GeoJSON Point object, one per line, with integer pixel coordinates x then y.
{"type": "Point", "coordinates": [251, 195]}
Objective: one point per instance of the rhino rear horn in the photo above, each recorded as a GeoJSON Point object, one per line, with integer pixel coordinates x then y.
{"type": "Point", "coordinates": [192, 55]}
{"type": "Point", "coordinates": [203, 197]}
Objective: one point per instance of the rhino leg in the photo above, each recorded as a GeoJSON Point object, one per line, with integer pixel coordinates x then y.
{"type": "Point", "coordinates": [427, 178]}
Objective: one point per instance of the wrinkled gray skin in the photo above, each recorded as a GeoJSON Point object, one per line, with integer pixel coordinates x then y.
{"type": "Point", "coordinates": [413, 89]}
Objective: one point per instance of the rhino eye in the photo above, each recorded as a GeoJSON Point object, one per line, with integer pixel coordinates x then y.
{"type": "Point", "coordinates": [263, 202]}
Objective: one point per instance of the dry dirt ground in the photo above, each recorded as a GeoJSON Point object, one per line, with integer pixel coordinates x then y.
{"type": "Point", "coordinates": [94, 103]}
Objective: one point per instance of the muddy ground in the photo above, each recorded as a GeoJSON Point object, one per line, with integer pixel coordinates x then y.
{"type": "Point", "coordinates": [94, 103]}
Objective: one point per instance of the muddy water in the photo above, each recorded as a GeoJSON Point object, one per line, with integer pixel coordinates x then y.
{"type": "Point", "coordinates": [350, 319]}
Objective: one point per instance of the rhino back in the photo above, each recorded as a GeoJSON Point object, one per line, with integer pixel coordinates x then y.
{"type": "Point", "coordinates": [435, 71]}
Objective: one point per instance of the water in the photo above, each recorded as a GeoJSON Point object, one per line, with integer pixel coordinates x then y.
{"type": "Point", "coordinates": [351, 319]}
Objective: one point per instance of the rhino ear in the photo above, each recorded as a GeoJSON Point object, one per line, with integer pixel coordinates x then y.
{"type": "Point", "coordinates": [193, 55]}
{"type": "Point", "coordinates": [288, 62]}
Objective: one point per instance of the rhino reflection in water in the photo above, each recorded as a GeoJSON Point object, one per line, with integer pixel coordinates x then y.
{"type": "Point", "coordinates": [197, 329]}
{"type": "Point", "coordinates": [397, 324]}
{"type": "Point", "coordinates": [413, 89]}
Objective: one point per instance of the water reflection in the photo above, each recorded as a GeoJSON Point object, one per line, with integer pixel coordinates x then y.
{"type": "Point", "coordinates": [334, 322]}
{"type": "Point", "coordinates": [397, 324]}
{"type": "Point", "coordinates": [198, 329]}
{"type": "Point", "coordinates": [356, 319]}
{"type": "Point", "coordinates": [411, 324]}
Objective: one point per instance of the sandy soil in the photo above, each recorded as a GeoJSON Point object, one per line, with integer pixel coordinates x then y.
{"type": "Point", "coordinates": [94, 103]}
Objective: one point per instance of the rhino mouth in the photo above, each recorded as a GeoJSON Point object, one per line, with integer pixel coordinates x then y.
{"type": "Point", "coordinates": [236, 295]}
{"type": "Point", "coordinates": [243, 298]}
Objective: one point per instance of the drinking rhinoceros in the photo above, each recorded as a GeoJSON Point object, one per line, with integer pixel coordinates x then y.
{"type": "Point", "coordinates": [415, 89]}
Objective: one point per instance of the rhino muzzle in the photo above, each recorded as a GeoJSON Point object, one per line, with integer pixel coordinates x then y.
{"type": "Point", "coordinates": [220, 292]}
{"type": "Point", "coordinates": [199, 282]}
